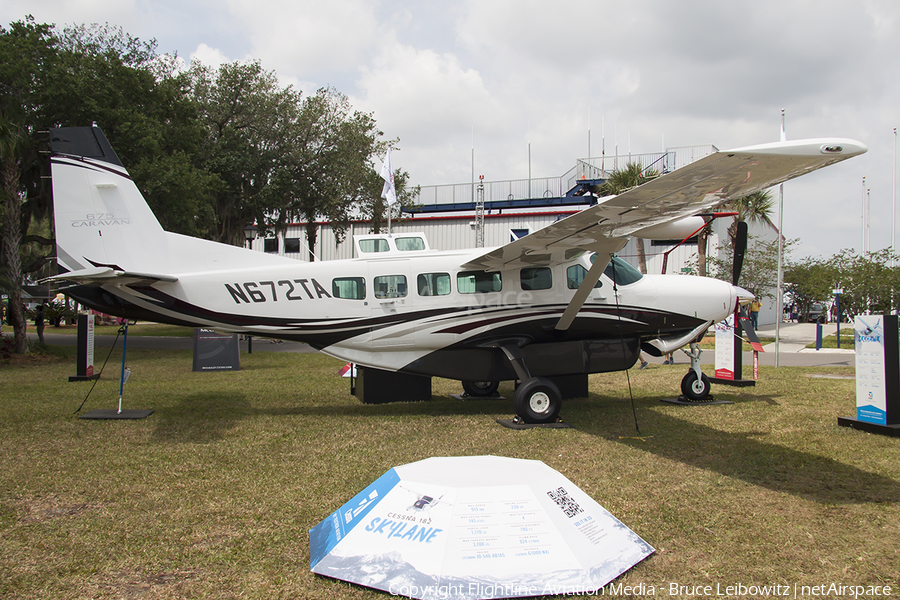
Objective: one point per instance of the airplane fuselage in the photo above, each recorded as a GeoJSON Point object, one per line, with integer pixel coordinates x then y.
{"type": "Point", "coordinates": [419, 312]}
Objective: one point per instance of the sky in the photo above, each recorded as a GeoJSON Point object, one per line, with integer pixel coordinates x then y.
{"type": "Point", "coordinates": [530, 87]}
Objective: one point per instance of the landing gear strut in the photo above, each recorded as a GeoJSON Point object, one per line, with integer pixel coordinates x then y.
{"type": "Point", "coordinates": [695, 386]}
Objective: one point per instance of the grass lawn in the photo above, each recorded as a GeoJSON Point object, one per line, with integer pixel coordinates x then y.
{"type": "Point", "coordinates": [213, 495]}
{"type": "Point", "coordinates": [848, 340]}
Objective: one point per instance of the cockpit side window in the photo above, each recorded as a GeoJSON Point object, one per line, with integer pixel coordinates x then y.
{"type": "Point", "coordinates": [620, 271]}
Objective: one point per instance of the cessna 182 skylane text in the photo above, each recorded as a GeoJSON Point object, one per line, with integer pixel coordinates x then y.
{"type": "Point", "coordinates": [554, 303]}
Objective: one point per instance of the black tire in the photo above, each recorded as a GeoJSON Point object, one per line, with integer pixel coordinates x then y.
{"type": "Point", "coordinates": [480, 389]}
{"type": "Point", "coordinates": [695, 389]}
{"type": "Point", "coordinates": [537, 400]}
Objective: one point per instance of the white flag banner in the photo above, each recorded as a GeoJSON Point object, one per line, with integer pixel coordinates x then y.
{"type": "Point", "coordinates": [388, 192]}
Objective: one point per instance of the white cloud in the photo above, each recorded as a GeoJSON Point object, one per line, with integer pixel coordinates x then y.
{"type": "Point", "coordinates": [520, 71]}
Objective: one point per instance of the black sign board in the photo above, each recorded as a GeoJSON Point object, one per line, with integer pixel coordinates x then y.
{"type": "Point", "coordinates": [216, 351]}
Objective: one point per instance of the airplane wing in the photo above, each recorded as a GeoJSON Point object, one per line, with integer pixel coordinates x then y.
{"type": "Point", "coordinates": [697, 187]}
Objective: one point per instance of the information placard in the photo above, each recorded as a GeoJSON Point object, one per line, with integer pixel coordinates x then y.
{"type": "Point", "coordinates": [465, 528]}
{"type": "Point", "coordinates": [216, 351]}
{"type": "Point", "coordinates": [725, 368]}
{"type": "Point", "coordinates": [871, 381]}
{"type": "Point", "coordinates": [84, 356]}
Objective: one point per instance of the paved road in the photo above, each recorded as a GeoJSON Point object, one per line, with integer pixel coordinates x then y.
{"type": "Point", "coordinates": [792, 351]}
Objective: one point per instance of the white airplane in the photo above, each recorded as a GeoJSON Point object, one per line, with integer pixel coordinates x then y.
{"type": "Point", "coordinates": [553, 304]}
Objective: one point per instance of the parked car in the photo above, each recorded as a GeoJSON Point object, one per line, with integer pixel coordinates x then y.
{"type": "Point", "coordinates": [817, 313]}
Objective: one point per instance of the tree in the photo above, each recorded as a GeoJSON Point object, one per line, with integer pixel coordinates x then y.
{"type": "Point", "coordinates": [76, 77]}
{"type": "Point", "coordinates": [870, 285]}
{"type": "Point", "coordinates": [328, 166]}
{"type": "Point", "coordinates": [809, 281]}
{"type": "Point", "coordinates": [760, 267]}
{"type": "Point", "coordinates": [752, 208]}
{"type": "Point", "coordinates": [247, 119]}
{"type": "Point", "coordinates": [624, 179]}
{"type": "Point", "coordinates": [11, 232]}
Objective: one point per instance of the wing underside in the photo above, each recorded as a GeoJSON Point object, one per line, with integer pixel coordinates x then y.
{"type": "Point", "coordinates": [698, 187]}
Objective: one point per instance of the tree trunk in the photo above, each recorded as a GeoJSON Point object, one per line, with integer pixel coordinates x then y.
{"type": "Point", "coordinates": [311, 234]}
{"type": "Point", "coordinates": [702, 239]}
{"type": "Point", "coordinates": [11, 242]}
{"type": "Point", "coordinates": [642, 255]}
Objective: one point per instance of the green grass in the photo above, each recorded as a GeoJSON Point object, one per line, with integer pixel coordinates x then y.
{"type": "Point", "coordinates": [848, 340]}
{"type": "Point", "coordinates": [212, 496]}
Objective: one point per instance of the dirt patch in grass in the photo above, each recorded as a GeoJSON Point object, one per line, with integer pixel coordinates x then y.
{"type": "Point", "coordinates": [41, 509]}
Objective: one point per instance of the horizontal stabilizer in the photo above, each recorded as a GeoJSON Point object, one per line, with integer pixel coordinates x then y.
{"type": "Point", "coordinates": [101, 275]}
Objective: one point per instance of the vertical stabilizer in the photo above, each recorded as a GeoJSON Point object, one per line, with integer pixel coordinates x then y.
{"type": "Point", "coordinates": [102, 220]}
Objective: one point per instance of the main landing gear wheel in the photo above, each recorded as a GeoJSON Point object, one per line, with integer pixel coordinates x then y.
{"type": "Point", "coordinates": [480, 388]}
{"type": "Point", "coordinates": [694, 388]}
{"type": "Point", "coordinates": [537, 400]}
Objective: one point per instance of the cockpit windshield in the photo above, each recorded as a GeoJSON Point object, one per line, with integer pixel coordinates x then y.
{"type": "Point", "coordinates": [620, 271]}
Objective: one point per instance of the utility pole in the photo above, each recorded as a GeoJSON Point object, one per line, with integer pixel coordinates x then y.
{"type": "Point", "coordinates": [479, 213]}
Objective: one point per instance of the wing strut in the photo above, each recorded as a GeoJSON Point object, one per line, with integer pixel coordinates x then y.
{"type": "Point", "coordinates": [581, 294]}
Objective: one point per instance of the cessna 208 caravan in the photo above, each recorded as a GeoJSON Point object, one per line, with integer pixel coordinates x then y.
{"type": "Point", "coordinates": [552, 304]}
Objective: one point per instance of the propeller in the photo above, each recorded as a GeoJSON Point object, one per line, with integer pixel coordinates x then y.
{"type": "Point", "coordinates": [740, 247]}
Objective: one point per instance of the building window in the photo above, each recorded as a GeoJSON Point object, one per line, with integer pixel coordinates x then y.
{"type": "Point", "coordinates": [291, 245]}
{"type": "Point", "coordinates": [515, 234]}
{"type": "Point", "coordinates": [271, 245]}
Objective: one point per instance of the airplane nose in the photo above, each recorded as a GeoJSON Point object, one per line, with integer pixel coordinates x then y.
{"type": "Point", "coordinates": [743, 296]}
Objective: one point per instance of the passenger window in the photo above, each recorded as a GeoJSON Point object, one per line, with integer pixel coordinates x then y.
{"type": "Point", "coordinates": [575, 275]}
{"type": "Point", "coordinates": [349, 288]}
{"type": "Point", "coordinates": [376, 245]}
{"type": "Point", "coordinates": [472, 282]}
{"type": "Point", "coordinates": [406, 244]}
{"type": "Point", "coordinates": [433, 284]}
{"type": "Point", "coordinates": [536, 278]}
{"type": "Point", "coordinates": [390, 286]}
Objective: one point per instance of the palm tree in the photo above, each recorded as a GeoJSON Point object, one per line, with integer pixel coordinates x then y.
{"type": "Point", "coordinates": [752, 208]}
{"type": "Point", "coordinates": [621, 180]}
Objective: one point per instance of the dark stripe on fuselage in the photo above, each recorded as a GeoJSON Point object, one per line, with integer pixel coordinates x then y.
{"type": "Point", "coordinates": [534, 323]}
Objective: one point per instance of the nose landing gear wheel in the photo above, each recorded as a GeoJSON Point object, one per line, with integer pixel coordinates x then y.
{"type": "Point", "coordinates": [694, 388]}
{"type": "Point", "coordinates": [537, 400]}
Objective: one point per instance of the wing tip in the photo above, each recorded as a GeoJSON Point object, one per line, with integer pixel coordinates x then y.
{"type": "Point", "coordinates": [835, 147]}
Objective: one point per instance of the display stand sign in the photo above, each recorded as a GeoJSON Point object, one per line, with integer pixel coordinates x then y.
{"type": "Point", "coordinates": [725, 349]}
{"type": "Point", "coordinates": [466, 528]}
{"type": "Point", "coordinates": [730, 351]}
{"type": "Point", "coordinates": [84, 357]}
{"type": "Point", "coordinates": [877, 375]}
{"type": "Point", "coordinates": [216, 351]}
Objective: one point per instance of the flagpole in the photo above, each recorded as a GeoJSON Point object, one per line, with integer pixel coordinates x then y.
{"type": "Point", "coordinates": [779, 301]}
{"type": "Point", "coordinates": [388, 192]}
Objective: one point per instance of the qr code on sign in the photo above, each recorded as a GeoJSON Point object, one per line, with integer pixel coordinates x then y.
{"type": "Point", "coordinates": [565, 502]}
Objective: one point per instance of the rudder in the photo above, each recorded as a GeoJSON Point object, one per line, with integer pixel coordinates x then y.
{"type": "Point", "coordinates": [101, 217]}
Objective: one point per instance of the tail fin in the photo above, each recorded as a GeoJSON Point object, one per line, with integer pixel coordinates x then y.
{"type": "Point", "coordinates": [101, 218]}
